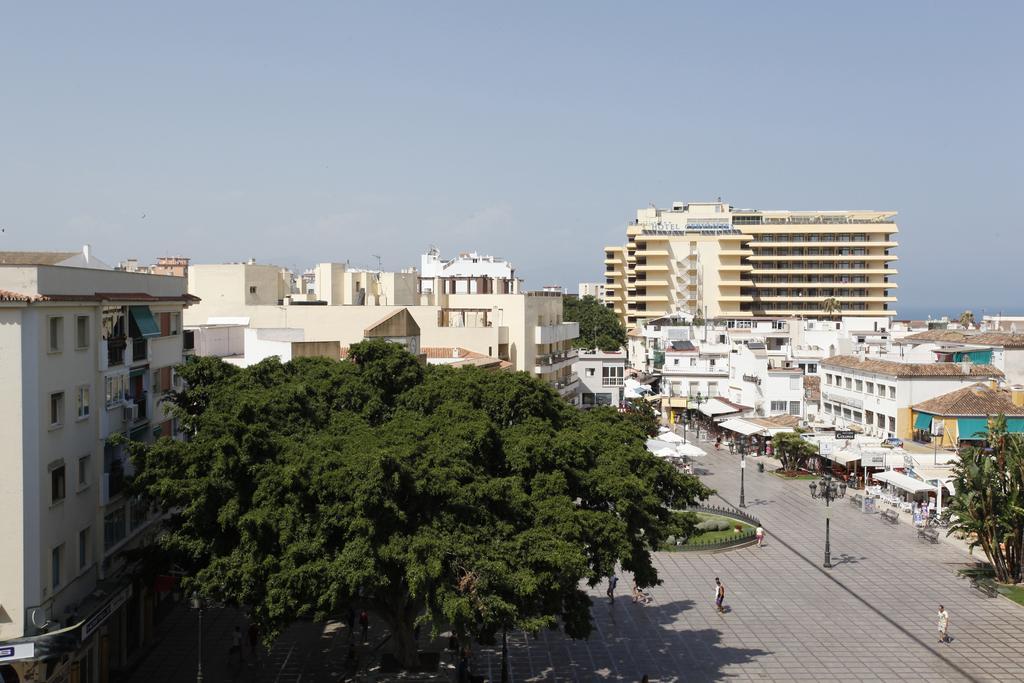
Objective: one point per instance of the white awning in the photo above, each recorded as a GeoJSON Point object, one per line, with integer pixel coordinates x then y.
{"type": "Point", "coordinates": [688, 449]}
{"type": "Point", "coordinates": [843, 457]}
{"type": "Point", "coordinates": [902, 481]}
{"type": "Point", "coordinates": [741, 426]}
{"type": "Point", "coordinates": [715, 407]}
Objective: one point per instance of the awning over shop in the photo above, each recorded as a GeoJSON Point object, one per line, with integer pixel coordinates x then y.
{"type": "Point", "coordinates": [923, 421]}
{"type": "Point", "coordinates": [1015, 425]}
{"type": "Point", "coordinates": [142, 321]}
{"type": "Point", "coordinates": [972, 427]}
{"type": "Point", "coordinates": [902, 481]}
{"type": "Point", "coordinates": [715, 407]}
{"type": "Point", "coordinates": [741, 427]}
{"type": "Point", "coordinates": [932, 475]}
{"type": "Point", "coordinates": [842, 456]}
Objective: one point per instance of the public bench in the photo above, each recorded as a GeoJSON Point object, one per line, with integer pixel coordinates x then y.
{"type": "Point", "coordinates": [928, 534]}
{"type": "Point", "coordinates": [890, 516]}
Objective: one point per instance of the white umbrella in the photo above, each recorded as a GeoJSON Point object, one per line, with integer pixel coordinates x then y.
{"type": "Point", "coordinates": [666, 453]}
{"type": "Point", "coordinates": [689, 450]}
{"type": "Point", "coordinates": [670, 437]}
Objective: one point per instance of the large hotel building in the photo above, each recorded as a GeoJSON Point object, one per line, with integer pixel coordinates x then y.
{"type": "Point", "coordinates": [713, 259]}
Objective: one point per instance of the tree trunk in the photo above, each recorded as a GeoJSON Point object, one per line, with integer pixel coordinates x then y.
{"type": "Point", "coordinates": [401, 618]}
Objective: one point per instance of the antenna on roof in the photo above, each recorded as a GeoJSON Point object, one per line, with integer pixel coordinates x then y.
{"type": "Point", "coordinates": [377, 256]}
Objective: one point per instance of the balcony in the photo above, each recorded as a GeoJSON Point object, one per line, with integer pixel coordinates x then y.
{"type": "Point", "coordinates": [552, 334]}
{"type": "Point", "coordinates": [552, 362]}
{"type": "Point", "coordinates": [140, 350]}
{"type": "Point", "coordinates": [115, 351]}
{"type": "Point", "coordinates": [568, 386]}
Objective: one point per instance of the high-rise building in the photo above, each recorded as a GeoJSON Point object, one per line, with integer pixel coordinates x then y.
{"type": "Point", "coordinates": [715, 260]}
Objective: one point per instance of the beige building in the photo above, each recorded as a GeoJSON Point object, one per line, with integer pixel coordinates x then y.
{"type": "Point", "coordinates": [713, 259]}
{"type": "Point", "coordinates": [454, 309]}
{"type": "Point", "coordinates": [88, 352]}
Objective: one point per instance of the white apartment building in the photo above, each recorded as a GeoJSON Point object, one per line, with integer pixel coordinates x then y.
{"type": "Point", "coordinates": [594, 289]}
{"type": "Point", "coordinates": [766, 380]}
{"type": "Point", "coordinates": [602, 375]}
{"type": "Point", "coordinates": [88, 352]}
{"type": "Point", "coordinates": [497, 321]}
{"type": "Point", "coordinates": [467, 273]}
{"type": "Point", "coordinates": [875, 396]}
{"type": "Point", "coordinates": [691, 368]}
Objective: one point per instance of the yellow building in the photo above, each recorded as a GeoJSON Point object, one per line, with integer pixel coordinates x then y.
{"type": "Point", "coordinates": [712, 259]}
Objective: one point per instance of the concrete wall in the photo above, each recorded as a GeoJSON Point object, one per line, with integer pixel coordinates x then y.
{"type": "Point", "coordinates": [19, 477]}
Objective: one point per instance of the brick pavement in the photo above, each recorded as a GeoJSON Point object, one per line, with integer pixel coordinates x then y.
{"type": "Point", "coordinates": [871, 617]}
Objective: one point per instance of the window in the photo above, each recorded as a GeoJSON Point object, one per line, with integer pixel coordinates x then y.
{"type": "Point", "coordinates": [176, 324]}
{"type": "Point", "coordinates": [796, 382]}
{"type": "Point", "coordinates": [56, 339]}
{"type": "Point", "coordinates": [155, 383]}
{"type": "Point", "coordinates": [113, 390]}
{"type": "Point", "coordinates": [892, 424]}
{"type": "Point", "coordinates": [81, 332]}
{"type": "Point", "coordinates": [828, 378]}
{"type": "Point", "coordinates": [892, 393]}
{"type": "Point", "coordinates": [881, 390]}
{"type": "Point", "coordinates": [252, 288]}
{"type": "Point", "coordinates": [869, 417]}
{"type": "Point", "coordinates": [55, 561]}
{"type": "Point", "coordinates": [712, 389]}
{"type": "Point", "coordinates": [114, 528]}
{"type": "Point", "coordinates": [57, 409]}
{"type": "Point", "coordinates": [881, 420]}
{"type": "Point", "coordinates": [778, 406]}
{"type": "Point", "coordinates": [590, 372]}
{"type": "Point", "coordinates": [860, 385]}
{"type": "Point", "coordinates": [794, 407]}
{"type": "Point", "coordinates": [828, 407]}
{"type": "Point", "coordinates": [57, 483]}
{"type": "Point", "coordinates": [82, 402]}
{"type": "Point", "coordinates": [83, 548]}
{"type": "Point", "coordinates": [849, 383]}
{"type": "Point", "coordinates": [857, 417]}
{"type": "Point", "coordinates": [870, 388]}
{"type": "Point", "coordinates": [611, 375]}
{"type": "Point", "coordinates": [847, 413]}
{"type": "Point", "coordinates": [83, 472]}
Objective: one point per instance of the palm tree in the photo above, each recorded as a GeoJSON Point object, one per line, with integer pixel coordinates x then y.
{"type": "Point", "coordinates": [831, 306]}
{"type": "Point", "coordinates": [967, 319]}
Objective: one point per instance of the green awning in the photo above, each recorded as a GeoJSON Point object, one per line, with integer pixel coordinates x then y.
{"type": "Point", "coordinates": [1015, 425]}
{"type": "Point", "coordinates": [923, 421]}
{"type": "Point", "coordinates": [979, 357]}
{"type": "Point", "coordinates": [972, 427]}
{"type": "Point", "coordinates": [142, 322]}
{"type": "Point", "coordinates": [139, 433]}
{"type": "Point", "coordinates": [138, 372]}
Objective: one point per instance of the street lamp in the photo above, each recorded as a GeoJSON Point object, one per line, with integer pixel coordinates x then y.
{"type": "Point", "coordinates": [830, 490]}
{"type": "Point", "coordinates": [743, 467]}
{"type": "Point", "coordinates": [698, 399]}
{"type": "Point", "coordinates": [197, 604]}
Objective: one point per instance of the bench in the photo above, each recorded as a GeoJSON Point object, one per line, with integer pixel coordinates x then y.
{"type": "Point", "coordinates": [891, 516]}
{"type": "Point", "coordinates": [928, 534]}
{"type": "Point", "coordinates": [984, 585]}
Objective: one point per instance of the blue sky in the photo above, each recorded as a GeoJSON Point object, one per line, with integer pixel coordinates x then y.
{"type": "Point", "coordinates": [302, 132]}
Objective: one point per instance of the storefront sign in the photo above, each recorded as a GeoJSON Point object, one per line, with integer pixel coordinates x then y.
{"type": "Point", "coordinates": [752, 378]}
{"type": "Point", "coordinates": [844, 434]}
{"type": "Point", "coordinates": [873, 460]}
{"type": "Point", "coordinates": [103, 613]}
{"type": "Point", "coordinates": [9, 653]}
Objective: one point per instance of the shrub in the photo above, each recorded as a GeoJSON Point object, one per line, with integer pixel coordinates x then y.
{"type": "Point", "coordinates": [724, 525]}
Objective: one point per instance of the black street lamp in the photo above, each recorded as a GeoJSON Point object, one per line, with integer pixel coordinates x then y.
{"type": "Point", "coordinates": [698, 399]}
{"type": "Point", "coordinates": [197, 604]}
{"type": "Point", "coordinates": [829, 490]}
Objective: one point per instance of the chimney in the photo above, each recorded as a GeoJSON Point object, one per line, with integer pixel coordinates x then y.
{"type": "Point", "coordinates": [87, 252]}
{"type": "Point", "coordinates": [1017, 395]}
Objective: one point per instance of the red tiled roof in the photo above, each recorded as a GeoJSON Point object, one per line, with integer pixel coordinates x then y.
{"type": "Point", "coordinates": [897, 369]}
{"type": "Point", "coordinates": [975, 400]}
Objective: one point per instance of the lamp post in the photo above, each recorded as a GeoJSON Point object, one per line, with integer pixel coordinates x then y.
{"type": "Point", "coordinates": [698, 399]}
{"type": "Point", "coordinates": [197, 604]}
{"type": "Point", "coordinates": [743, 468]}
{"type": "Point", "coordinates": [829, 490]}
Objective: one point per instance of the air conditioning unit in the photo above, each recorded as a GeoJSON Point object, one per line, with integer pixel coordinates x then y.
{"type": "Point", "coordinates": [130, 411]}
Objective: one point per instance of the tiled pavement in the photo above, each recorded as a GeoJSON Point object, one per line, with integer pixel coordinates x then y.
{"type": "Point", "coordinates": [871, 617]}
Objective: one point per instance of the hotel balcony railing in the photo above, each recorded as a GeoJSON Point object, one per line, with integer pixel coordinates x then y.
{"type": "Point", "coordinates": [557, 357]}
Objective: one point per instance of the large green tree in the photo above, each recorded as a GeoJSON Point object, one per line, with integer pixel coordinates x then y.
{"type": "Point", "coordinates": [988, 506]}
{"type": "Point", "coordinates": [792, 450]}
{"type": "Point", "coordinates": [600, 328]}
{"type": "Point", "coordinates": [468, 499]}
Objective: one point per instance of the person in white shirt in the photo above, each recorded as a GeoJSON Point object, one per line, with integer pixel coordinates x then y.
{"type": "Point", "coordinates": [943, 625]}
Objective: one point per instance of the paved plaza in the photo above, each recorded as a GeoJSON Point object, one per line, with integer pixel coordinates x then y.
{"type": "Point", "coordinates": [871, 617]}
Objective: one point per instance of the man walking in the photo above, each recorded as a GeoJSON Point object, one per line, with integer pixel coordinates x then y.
{"type": "Point", "coordinates": [364, 622]}
{"type": "Point", "coordinates": [236, 645]}
{"type": "Point", "coordinates": [613, 581]}
{"type": "Point", "coordinates": [943, 625]}
{"type": "Point", "coordinates": [719, 595]}
{"type": "Point", "coordinates": [760, 536]}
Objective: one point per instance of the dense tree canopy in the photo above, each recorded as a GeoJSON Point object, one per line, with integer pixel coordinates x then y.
{"type": "Point", "coordinates": [474, 500]}
{"type": "Point", "coordinates": [600, 328]}
{"type": "Point", "coordinates": [792, 450]}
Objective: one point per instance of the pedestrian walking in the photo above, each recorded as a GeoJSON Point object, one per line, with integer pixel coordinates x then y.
{"type": "Point", "coordinates": [760, 536]}
{"type": "Point", "coordinates": [364, 622]}
{"type": "Point", "coordinates": [236, 645]}
{"type": "Point", "coordinates": [613, 581]}
{"type": "Point", "coordinates": [943, 625]}
{"type": "Point", "coordinates": [254, 641]}
{"type": "Point", "coordinates": [351, 621]}
{"type": "Point", "coordinates": [719, 595]}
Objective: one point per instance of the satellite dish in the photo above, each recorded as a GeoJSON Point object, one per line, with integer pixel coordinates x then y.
{"type": "Point", "coordinates": [37, 615]}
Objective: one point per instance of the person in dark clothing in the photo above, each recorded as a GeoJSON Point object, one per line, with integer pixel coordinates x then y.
{"type": "Point", "coordinates": [254, 641]}
{"type": "Point", "coordinates": [364, 622]}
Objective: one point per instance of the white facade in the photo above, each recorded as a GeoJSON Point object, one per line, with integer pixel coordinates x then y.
{"type": "Point", "coordinates": [87, 353]}
{"type": "Point", "coordinates": [601, 375]}
{"type": "Point", "coordinates": [594, 289]}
